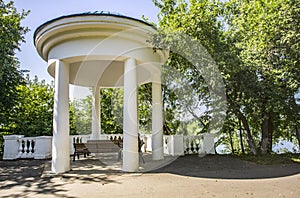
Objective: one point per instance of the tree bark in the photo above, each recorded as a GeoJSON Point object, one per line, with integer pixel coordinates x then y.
{"type": "Point", "coordinates": [298, 137]}
{"type": "Point", "coordinates": [166, 129]}
{"type": "Point", "coordinates": [241, 138]}
{"type": "Point", "coordinates": [264, 136]}
{"type": "Point", "coordinates": [231, 142]}
{"type": "Point", "coordinates": [267, 133]}
{"type": "Point", "coordinates": [250, 141]}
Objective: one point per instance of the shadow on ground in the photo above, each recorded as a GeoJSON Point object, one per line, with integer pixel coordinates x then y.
{"type": "Point", "coordinates": [31, 177]}
{"type": "Point", "coordinates": [227, 167]}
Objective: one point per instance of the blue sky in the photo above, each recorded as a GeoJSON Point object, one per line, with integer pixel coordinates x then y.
{"type": "Point", "coordinates": [44, 10]}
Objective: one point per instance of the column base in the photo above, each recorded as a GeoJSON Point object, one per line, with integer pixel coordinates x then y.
{"type": "Point", "coordinates": [158, 154]}
{"type": "Point", "coordinates": [130, 162]}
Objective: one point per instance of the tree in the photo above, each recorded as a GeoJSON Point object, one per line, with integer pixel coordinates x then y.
{"type": "Point", "coordinates": [256, 47]}
{"type": "Point", "coordinates": [33, 114]}
{"type": "Point", "coordinates": [81, 115]}
{"type": "Point", "coordinates": [111, 110]}
{"type": "Point", "coordinates": [266, 34]}
{"type": "Point", "coordinates": [196, 20]}
{"type": "Point", "coordinates": [11, 35]}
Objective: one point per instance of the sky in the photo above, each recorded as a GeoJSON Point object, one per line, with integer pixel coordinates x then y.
{"type": "Point", "coordinates": [45, 10]}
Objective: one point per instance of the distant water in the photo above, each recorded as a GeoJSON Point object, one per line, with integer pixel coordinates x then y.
{"type": "Point", "coordinates": [282, 146]}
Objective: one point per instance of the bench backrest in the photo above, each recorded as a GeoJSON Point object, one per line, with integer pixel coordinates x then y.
{"type": "Point", "coordinates": [79, 146]}
{"type": "Point", "coordinates": [102, 146]}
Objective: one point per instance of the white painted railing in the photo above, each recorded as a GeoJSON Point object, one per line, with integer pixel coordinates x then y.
{"type": "Point", "coordinates": [26, 147]}
{"type": "Point", "coordinates": [18, 146]}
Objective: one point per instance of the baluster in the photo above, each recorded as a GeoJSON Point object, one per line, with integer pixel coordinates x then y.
{"type": "Point", "coordinates": [32, 146]}
{"type": "Point", "coordinates": [187, 145]}
{"type": "Point", "coordinates": [202, 142]}
{"type": "Point", "coordinates": [166, 140]}
{"type": "Point", "coordinates": [20, 149]}
{"type": "Point", "coordinates": [25, 148]}
{"type": "Point", "coordinates": [192, 145]}
{"type": "Point", "coordinates": [119, 138]}
{"type": "Point", "coordinates": [197, 142]}
{"type": "Point", "coordinates": [29, 148]}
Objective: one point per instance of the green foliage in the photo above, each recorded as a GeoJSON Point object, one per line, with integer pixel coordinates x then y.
{"type": "Point", "coordinates": [256, 46]}
{"type": "Point", "coordinates": [266, 36]}
{"type": "Point", "coordinates": [33, 115]}
{"type": "Point", "coordinates": [145, 108]}
{"type": "Point", "coordinates": [111, 110]}
{"type": "Point", "coordinates": [111, 105]}
{"type": "Point", "coordinates": [81, 112]}
{"type": "Point", "coordinates": [11, 35]}
{"type": "Point", "coordinates": [73, 126]}
{"type": "Point", "coordinates": [192, 32]}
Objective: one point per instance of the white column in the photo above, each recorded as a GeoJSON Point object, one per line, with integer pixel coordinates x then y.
{"type": "Point", "coordinates": [60, 142]}
{"type": "Point", "coordinates": [157, 120]}
{"type": "Point", "coordinates": [130, 119]}
{"type": "Point", "coordinates": [96, 116]}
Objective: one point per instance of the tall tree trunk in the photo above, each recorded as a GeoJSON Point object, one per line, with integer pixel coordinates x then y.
{"type": "Point", "coordinates": [298, 137]}
{"type": "Point", "coordinates": [166, 129]}
{"type": "Point", "coordinates": [231, 142]}
{"type": "Point", "coordinates": [250, 141]}
{"type": "Point", "coordinates": [241, 137]}
{"type": "Point", "coordinates": [267, 134]}
{"type": "Point", "coordinates": [271, 129]}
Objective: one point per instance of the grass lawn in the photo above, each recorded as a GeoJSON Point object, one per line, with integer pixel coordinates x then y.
{"type": "Point", "coordinates": [272, 158]}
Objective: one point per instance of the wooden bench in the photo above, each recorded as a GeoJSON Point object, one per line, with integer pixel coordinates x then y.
{"type": "Point", "coordinates": [80, 148]}
{"type": "Point", "coordinates": [104, 146]}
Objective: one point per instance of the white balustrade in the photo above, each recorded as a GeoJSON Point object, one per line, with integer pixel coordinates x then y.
{"type": "Point", "coordinates": [209, 143]}
{"type": "Point", "coordinates": [18, 146]}
{"type": "Point", "coordinates": [26, 147]}
{"type": "Point", "coordinates": [11, 146]}
{"type": "Point", "coordinates": [43, 147]}
{"type": "Point", "coordinates": [176, 145]}
{"type": "Point", "coordinates": [193, 144]}
{"type": "Point", "coordinates": [77, 139]}
{"type": "Point", "coordinates": [147, 138]}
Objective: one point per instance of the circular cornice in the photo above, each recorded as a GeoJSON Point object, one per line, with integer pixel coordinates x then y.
{"type": "Point", "coordinates": [95, 24]}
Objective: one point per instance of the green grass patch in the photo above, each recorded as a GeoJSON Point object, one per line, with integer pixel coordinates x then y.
{"type": "Point", "coordinates": [269, 159]}
{"type": "Point", "coordinates": [296, 160]}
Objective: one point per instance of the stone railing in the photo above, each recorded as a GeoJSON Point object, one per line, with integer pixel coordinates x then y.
{"type": "Point", "coordinates": [18, 146]}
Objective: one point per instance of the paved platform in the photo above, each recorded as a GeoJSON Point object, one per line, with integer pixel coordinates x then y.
{"type": "Point", "coordinates": [188, 176]}
{"type": "Point", "coordinates": [110, 163]}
